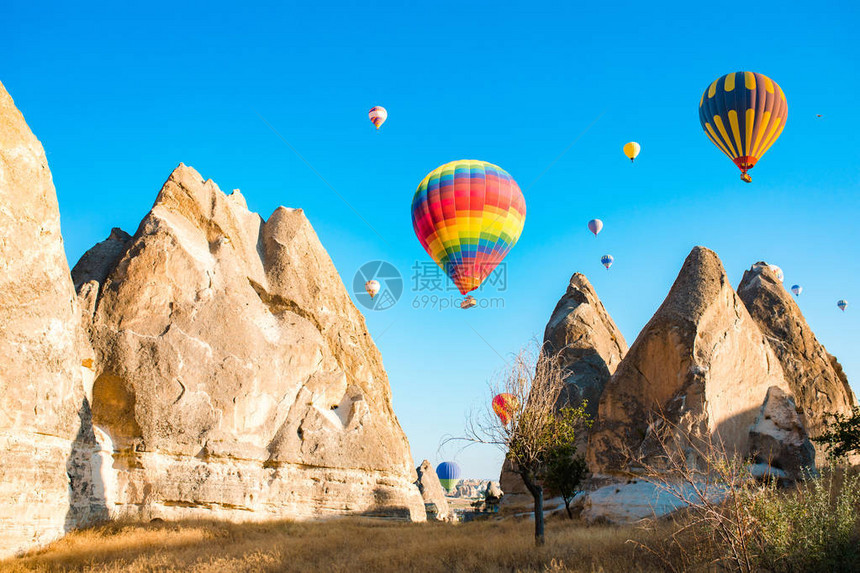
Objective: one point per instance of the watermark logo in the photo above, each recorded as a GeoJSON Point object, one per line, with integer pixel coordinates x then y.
{"type": "Point", "coordinates": [390, 285]}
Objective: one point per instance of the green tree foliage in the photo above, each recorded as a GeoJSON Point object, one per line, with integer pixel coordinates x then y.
{"type": "Point", "coordinates": [843, 436]}
{"type": "Point", "coordinates": [564, 470]}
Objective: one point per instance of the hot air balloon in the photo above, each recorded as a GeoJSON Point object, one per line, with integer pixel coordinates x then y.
{"type": "Point", "coordinates": [467, 215]}
{"type": "Point", "coordinates": [780, 276]}
{"type": "Point", "coordinates": [607, 260]}
{"type": "Point", "coordinates": [504, 405]}
{"type": "Point", "coordinates": [631, 150]}
{"type": "Point", "coordinates": [796, 289]}
{"type": "Point", "coordinates": [468, 302]}
{"type": "Point", "coordinates": [378, 115]}
{"type": "Point", "coordinates": [595, 226]}
{"type": "Point", "coordinates": [842, 304]}
{"type": "Point", "coordinates": [372, 287]}
{"type": "Point", "coordinates": [743, 113]}
{"type": "Point", "coordinates": [449, 475]}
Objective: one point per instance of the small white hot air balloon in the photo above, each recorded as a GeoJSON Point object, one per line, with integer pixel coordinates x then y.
{"type": "Point", "coordinates": [780, 276]}
{"type": "Point", "coordinates": [372, 287]}
{"type": "Point", "coordinates": [595, 225]}
{"type": "Point", "coordinates": [377, 115]}
{"type": "Point", "coordinates": [631, 150]}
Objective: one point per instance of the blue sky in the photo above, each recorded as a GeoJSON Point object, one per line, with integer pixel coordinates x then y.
{"type": "Point", "coordinates": [119, 95]}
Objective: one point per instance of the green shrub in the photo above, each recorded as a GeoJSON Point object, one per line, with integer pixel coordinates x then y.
{"type": "Point", "coordinates": [815, 527]}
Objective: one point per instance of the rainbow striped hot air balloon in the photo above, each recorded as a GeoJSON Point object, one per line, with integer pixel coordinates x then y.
{"type": "Point", "coordinates": [743, 114]}
{"type": "Point", "coordinates": [607, 260]}
{"type": "Point", "coordinates": [780, 276]}
{"type": "Point", "coordinates": [468, 214]}
{"type": "Point", "coordinates": [377, 115]}
{"type": "Point", "coordinates": [448, 474]}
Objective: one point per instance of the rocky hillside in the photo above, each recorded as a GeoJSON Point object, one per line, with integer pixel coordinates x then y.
{"type": "Point", "coordinates": [234, 376]}
{"type": "Point", "coordinates": [44, 410]}
{"type": "Point", "coordinates": [739, 370]}
{"type": "Point", "coordinates": [211, 365]}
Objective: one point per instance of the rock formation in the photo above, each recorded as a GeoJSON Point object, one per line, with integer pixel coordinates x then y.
{"type": "Point", "coordinates": [815, 377]}
{"type": "Point", "coordinates": [700, 362]}
{"type": "Point", "coordinates": [779, 439]}
{"type": "Point", "coordinates": [432, 493]}
{"type": "Point", "coordinates": [590, 348]}
{"type": "Point", "coordinates": [44, 414]}
{"type": "Point", "coordinates": [585, 338]}
{"type": "Point", "coordinates": [235, 378]}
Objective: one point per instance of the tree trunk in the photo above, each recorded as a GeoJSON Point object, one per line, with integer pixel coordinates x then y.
{"type": "Point", "coordinates": [537, 494]}
{"type": "Point", "coordinates": [567, 507]}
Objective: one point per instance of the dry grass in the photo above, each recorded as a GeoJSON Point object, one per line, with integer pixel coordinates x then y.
{"type": "Point", "coordinates": [341, 545]}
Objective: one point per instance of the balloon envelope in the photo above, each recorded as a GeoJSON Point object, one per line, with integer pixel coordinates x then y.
{"type": "Point", "coordinates": [796, 289]}
{"type": "Point", "coordinates": [631, 150]}
{"type": "Point", "coordinates": [504, 405]}
{"type": "Point", "coordinates": [743, 114]}
{"type": "Point", "coordinates": [595, 226]}
{"type": "Point", "coordinates": [468, 215]}
{"type": "Point", "coordinates": [780, 276]}
{"type": "Point", "coordinates": [607, 260]}
{"type": "Point", "coordinates": [448, 474]}
{"type": "Point", "coordinates": [372, 287]}
{"type": "Point", "coordinates": [377, 115]}
{"type": "Point", "coordinates": [842, 304]}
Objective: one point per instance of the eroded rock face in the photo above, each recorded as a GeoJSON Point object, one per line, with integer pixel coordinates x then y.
{"type": "Point", "coordinates": [432, 493]}
{"type": "Point", "coordinates": [45, 435]}
{"type": "Point", "coordinates": [701, 362]}
{"type": "Point", "coordinates": [590, 347]}
{"type": "Point", "coordinates": [235, 378]}
{"type": "Point", "coordinates": [779, 439]}
{"type": "Point", "coordinates": [815, 377]}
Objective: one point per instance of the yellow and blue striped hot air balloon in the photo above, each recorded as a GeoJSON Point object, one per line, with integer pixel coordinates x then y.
{"type": "Point", "coordinates": [743, 114]}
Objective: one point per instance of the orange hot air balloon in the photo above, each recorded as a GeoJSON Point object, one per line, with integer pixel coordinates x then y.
{"type": "Point", "coordinates": [505, 405]}
{"type": "Point", "coordinates": [743, 114]}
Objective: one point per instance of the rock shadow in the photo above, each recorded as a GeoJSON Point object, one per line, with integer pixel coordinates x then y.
{"type": "Point", "coordinates": [87, 502]}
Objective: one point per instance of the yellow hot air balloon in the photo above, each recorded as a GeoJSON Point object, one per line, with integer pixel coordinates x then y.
{"type": "Point", "coordinates": [743, 114]}
{"type": "Point", "coordinates": [631, 150]}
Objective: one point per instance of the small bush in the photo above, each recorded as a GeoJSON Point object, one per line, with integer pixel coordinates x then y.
{"type": "Point", "coordinates": [813, 528]}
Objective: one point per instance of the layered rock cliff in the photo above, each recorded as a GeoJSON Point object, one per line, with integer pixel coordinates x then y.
{"type": "Point", "coordinates": [45, 437]}
{"type": "Point", "coordinates": [814, 376]}
{"type": "Point", "coordinates": [701, 363]}
{"type": "Point", "coordinates": [235, 378]}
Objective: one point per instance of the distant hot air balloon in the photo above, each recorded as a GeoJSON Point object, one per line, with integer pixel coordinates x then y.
{"type": "Point", "coordinates": [372, 287]}
{"type": "Point", "coordinates": [796, 289]}
{"type": "Point", "coordinates": [595, 226]}
{"type": "Point", "coordinates": [504, 405]}
{"type": "Point", "coordinates": [818, 115]}
{"type": "Point", "coordinates": [743, 113]}
{"type": "Point", "coordinates": [607, 260]}
{"type": "Point", "coordinates": [378, 115]}
{"type": "Point", "coordinates": [780, 276]}
{"type": "Point", "coordinates": [449, 475]}
{"type": "Point", "coordinates": [468, 302]}
{"type": "Point", "coordinates": [468, 214]}
{"type": "Point", "coordinates": [631, 150]}
{"type": "Point", "coordinates": [842, 304]}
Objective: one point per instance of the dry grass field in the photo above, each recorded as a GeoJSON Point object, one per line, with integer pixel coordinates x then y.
{"type": "Point", "coordinates": [346, 545]}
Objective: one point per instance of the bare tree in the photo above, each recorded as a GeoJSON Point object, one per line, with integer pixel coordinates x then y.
{"type": "Point", "coordinates": [536, 429]}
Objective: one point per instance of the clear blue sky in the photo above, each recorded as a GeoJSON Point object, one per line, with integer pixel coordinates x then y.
{"type": "Point", "coordinates": [120, 94]}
